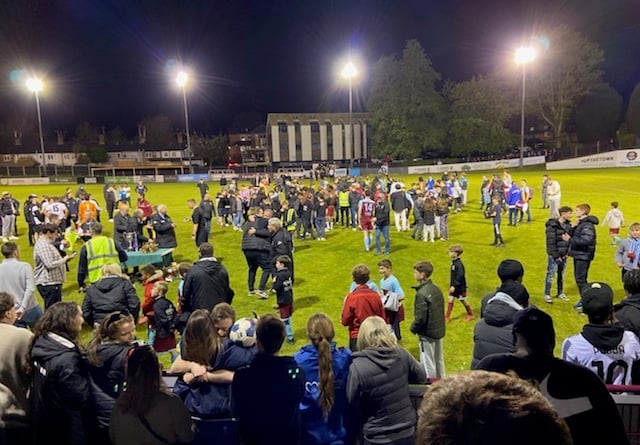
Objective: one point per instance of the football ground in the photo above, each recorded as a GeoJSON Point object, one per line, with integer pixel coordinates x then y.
{"type": "Point", "coordinates": [323, 268]}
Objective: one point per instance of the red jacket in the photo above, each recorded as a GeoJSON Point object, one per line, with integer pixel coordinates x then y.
{"type": "Point", "coordinates": [147, 304]}
{"type": "Point", "coordinates": [360, 304]}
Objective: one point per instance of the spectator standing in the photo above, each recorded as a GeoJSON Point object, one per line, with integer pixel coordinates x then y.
{"type": "Point", "coordinates": [8, 212]}
{"type": "Point", "coordinates": [378, 386]}
{"type": "Point", "coordinates": [109, 194]}
{"type": "Point", "coordinates": [165, 318]}
{"type": "Point", "coordinates": [429, 322]}
{"type": "Point", "coordinates": [50, 272]}
{"type": "Point", "coordinates": [557, 251]}
{"type": "Point", "coordinates": [576, 393]}
{"type": "Point", "coordinates": [281, 242]}
{"type": "Point", "coordinates": [123, 223]}
{"type": "Point", "coordinates": [628, 252]}
{"type": "Point", "coordinates": [283, 285]}
{"type": "Point", "coordinates": [256, 246]}
{"type": "Point", "coordinates": [496, 219]}
{"type": "Point", "coordinates": [381, 223]}
{"type": "Point", "coordinates": [60, 380]}
{"type": "Point", "coordinates": [146, 411]}
{"type": "Point", "coordinates": [399, 205]}
{"type": "Point", "coordinates": [199, 231]}
{"type": "Point", "coordinates": [544, 191]}
{"type": "Point", "coordinates": [14, 347]}
{"type": "Point", "coordinates": [582, 245]}
{"type": "Point", "coordinates": [553, 197]}
{"type": "Point", "coordinates": [202, 187]}
{"type": "Point", "coordinates": [95, 253]}
{"type": "Point", "coordinates": [206, 283]}
{"type": "Point", "coordinates": [457, 284]}
{"type": "Point", "coordinates": [360, 303]}
{"type": "Point", "coordinates": [603, 346]}
{"type": "Point", "coordinates": [113, 292]}
{"type": "Point", "coordinates": [266, 395]}
{"type": "Point", "coordinates": [323, 410]}
{"type": "Point", "coordinates": [16, 278]}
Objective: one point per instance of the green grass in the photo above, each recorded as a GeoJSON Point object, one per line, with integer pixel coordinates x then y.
{"type": "Point", "coordinates": [323, 269]}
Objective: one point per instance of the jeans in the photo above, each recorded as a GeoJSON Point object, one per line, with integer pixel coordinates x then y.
{"type": "Point", "coordinates": [552, 267]}
{"type": "Point", "coordinates": [444, 226]}
{"type": "Point", "coordinates": [384, 230]}
{"type": "Point", "coordinates": [513, 216]}
{"type": "Point", "coordinates": [321, 226]}
{"type": "Point", "coordinates": [580, 272]}
{"type": "Point", "coordinates": [354, 216]}
{"type": "Point", "coordinates": [30, 317]}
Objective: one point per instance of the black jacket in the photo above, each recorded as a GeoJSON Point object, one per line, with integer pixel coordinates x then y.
{"type": "Point", "coordinates": [627, 312]}
{"type": "Point", "coordinates": [165, 233]}
{"type": "Point", "coordinates": [281, 244]}
{"type": "Point", "coordinates": [382, 213]}
{"type": "Point", "coordinates": [206, 284]}
{"type": "Point", "coordinates": [107, 379]}
{"type": "Point", "coordinates": [165, 317]}
{"type": "Point", "coordinates": [261, 240]}
{"type": "Point", "coordinates": [59, 392]}
{"type": "Point", "coordinates": [556, 246]}
{"type": "Point", "coordinates": [582, 245]}
{"type": "Point", "coordinates": [109, 294]}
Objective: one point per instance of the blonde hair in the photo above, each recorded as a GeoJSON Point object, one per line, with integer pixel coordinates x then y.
{"type": "Point", "coordinates": [162, 287]}
{"type": "Point", "coordinates": [375, 333]}
{"type": "Point", "coordinates": [113, 270]}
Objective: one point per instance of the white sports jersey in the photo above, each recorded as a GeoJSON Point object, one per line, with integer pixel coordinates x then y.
{"type": "Point", "coordinates": [57, 208]}
{"type": "Point", "coordinates": [613, 367]}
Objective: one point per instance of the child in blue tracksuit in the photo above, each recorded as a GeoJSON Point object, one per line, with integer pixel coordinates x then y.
{"type": "Point", "coordinates": [283, 285]}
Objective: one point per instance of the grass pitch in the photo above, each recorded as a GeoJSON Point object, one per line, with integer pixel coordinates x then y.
{"type": "Point", "coordinates": [323, 268]}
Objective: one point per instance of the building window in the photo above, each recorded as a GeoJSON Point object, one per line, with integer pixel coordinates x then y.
{"type": "Point", "coordinates": [282, 127]}
{"type": "Point", "coordinates": [174, 154]}
{"type": "Point", "coordinates": [7, 158]}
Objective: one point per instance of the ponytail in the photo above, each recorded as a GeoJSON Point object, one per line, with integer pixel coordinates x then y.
{"type": "Point", "coordinates": [321, 332]}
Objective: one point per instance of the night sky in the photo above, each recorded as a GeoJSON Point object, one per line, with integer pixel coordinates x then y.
{"type": "Point", "coordinates": [106, 61]}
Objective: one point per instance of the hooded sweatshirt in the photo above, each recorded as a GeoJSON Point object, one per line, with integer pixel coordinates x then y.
{"type": "Point", "coordinates": [109, 294]}
{"type": "Point", "coordinates": [378, 390]}
{"type": "Point", "coordinates": [206, 284]}
{"type": "Point", "coordinates": [107, 379]}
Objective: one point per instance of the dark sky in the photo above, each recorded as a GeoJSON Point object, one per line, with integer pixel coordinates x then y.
{"type": "Point", "coordinates": [105, 60]}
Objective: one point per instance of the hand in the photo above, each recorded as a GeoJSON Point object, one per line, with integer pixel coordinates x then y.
{"type": "Point", "coordinates": [188, 378]}
{"type": "Point", "coordinates": [197, 370]}
{"type": "Point", "coordinates": [65, 243]}
{"type": "Point", "coordinates": [566, 237]}
{"type": "Point", "coordinates": [452, 289]}
{"type": "Point", "coordinates": [251, 231]}
{"type": "Point", "coordinates": [19, 314]}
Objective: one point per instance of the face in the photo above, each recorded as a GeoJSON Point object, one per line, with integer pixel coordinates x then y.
{"type": "Point", "coordinates": [567, 215]}
{"type": "Point", "coordinates": [10, 316]}
{"type": "Point", "coordinates": [126, 333]}
{"type": "Point", "coordinates": [579, 212]}
{"type": "Point", "coordinates": [78, 320]}
{"type": "Point", "coordinates": [154, 292]}
{"type": "Point", "coordinates": [452, 254]}
{"type": "Point", "coordinates": [419, 276]}
{"type": "Point", "coordinates": [635, 232]}
{"type": "Point", "coordinates": [384, 271]}
{"type": "Point", "coordinates": [223, 326]}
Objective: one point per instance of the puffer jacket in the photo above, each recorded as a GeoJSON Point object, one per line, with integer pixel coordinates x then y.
{"type": "Point", "coordinates": [59, 392]}
{"type": "Point", "coordinates": [492, 334]}
{"type": "Point", "coordinates": [378, 392]}
{"type": "Point", "coordinates": [109, 294]}
{"type": "Point", "coordinates": [107, 379]}
{"type": "Point", "coordinates": [556, 246]}
{"type": "Point", "coordinates": [627, 312]}
{"type": "Point", "coordinates": [582, 245]}
{"type": "Point", "coordinates": [261, 240]}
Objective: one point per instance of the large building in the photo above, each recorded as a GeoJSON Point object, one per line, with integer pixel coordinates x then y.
{"type": "Point", "coordinates": [300, 138]}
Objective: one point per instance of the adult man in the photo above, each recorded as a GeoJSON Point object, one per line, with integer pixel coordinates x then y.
{"type": "Point", "coordinates": [164, 228]}
{"type": "Point", "coordinates": [34, 218]}
{"type": "Point", "coordinates": [207, 211]}
{"type": "Point", "coordinates": [256, 247]}
{"type": "Point", "coordinates": [281, 242]}
{"type": "Point", "coordinates": [544, 189]}
{"type": "Point", "coordinates": [199, 232]}
{"type": "Point", "coordinates": [50, 271]}
{"type": "Point", "coordinates": [399, 205]}
{"type": "Point", "coordinates": [95, 253]}
{"type": "Point", "coordinates": [8, 212]}
{"type": "Point", "coordinates": [266, 395]}
{"type": "Point", "coordinates": [203, 187]}
{"type": "Point", "coordinates": [557, 250]}
{"type": "Point", "coordinates": [553, 197]}
{"type": "Point", "coordinates": [576, 393]}
{"type": "Point", "coordinates": [206, 283]}
{"type": "Point", "coordinates": [354, 198]}
{"type": "Point", "coordinates": [582, 245]}
{"type": "Point", "coordinates": [123, 223]}
{"type": "Point", "coordinates": [109, 194]}
{"type": "Point", "coordinates": [381, 223]}
{"type": "Point", "coordinates": [603, 346]}
{"type": "Point", "coordinates": [16, 278]}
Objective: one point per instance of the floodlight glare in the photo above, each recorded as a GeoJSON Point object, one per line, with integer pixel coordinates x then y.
{"type": "Point", "coordinates": [34, 84]}
{"type": "Point", "coordinates": [349, 71]}
{"type": "Point", "coordinates": [181, 79]}
{"type": "Point", "coordinates": [525, 55]}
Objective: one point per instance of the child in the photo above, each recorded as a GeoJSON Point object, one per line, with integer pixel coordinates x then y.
{"type": "Point", "coordinates": [628, 252]}
{"type": "Point", "coordinates": [418, 230]}
{"type": "Point", "coordinates": [429, 219]}
{"type": "Point", "coordinates": [615, 220]}
{"type": "Point", "coordinates": [496, 217]}
{"type": "Point", "coordinates": [165, 318]}
{"type": "Point", "coordinates": [283, 286]}
{"type": "Point", "coordinates": [429, 320]}
{"type": "Point", "coordinates": [458, 284]}
{"type": "Point", "coordinates": [149, 277]}
{"type": "Point", "coordinates": [390, 284]}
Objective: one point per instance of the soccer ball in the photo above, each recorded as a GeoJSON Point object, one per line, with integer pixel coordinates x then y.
{"type": "Point", "coordinates": [243, 332]}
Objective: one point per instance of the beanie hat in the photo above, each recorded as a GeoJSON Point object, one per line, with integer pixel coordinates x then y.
{"type": "Point", "coordinates": [510, 270]}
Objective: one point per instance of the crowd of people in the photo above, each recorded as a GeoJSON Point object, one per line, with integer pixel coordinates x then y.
{"type": "Point", "coordinates": [111, 391]}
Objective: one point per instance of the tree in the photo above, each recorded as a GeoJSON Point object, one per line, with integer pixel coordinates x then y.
{"type": "Point", "coordinates": [97, 154]}
{"type": "Point", "coordinates": [212, 149]}
{"type": "Point", "coordinates": [117, 136]}
{"type": "Point", "coordinates": [633, 111]}
{"type": "Point", "coordinates": [159, 131]}
{"type": "Point", "coordinates": [407, 112]}
{"type": "Point", "coordinates": [562, 76]}
{"type": "Point", "coordinates": [598, 115]}
{"type": "Point", "coordinates": [478, 112]}
{"type": "Point", "coordinates": [86, 134]}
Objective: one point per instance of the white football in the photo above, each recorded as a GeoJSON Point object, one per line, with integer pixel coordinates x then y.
{"type": "Point", "coordinates": [243, 332]}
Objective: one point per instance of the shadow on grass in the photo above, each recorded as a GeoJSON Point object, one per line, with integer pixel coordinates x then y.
{"type": "Point", "coordinates": [300, 246]}
{"type": "Point", "coordinates": [307, 301]}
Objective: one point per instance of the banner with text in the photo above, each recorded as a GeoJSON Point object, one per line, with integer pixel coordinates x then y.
{"type": "Point", "coordinates": [497, 164]}
{"type": "Point", "coordinates": [610, 159]}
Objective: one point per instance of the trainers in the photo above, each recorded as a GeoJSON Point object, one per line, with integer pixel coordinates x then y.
{"type": "Point", "coordinates": [563, 297]}
{"type": "Point", "coordinates": [578, 305]}
{"type": "Point", "coordinates": [251, 292]}
{"type": "Point", "coordinates": [13, 237]}
{"type": "Point", "coordinates": [291, 340]}
{"type": "Point", "coordinates": [262, 294]}
{"type": "Point", "coordinates": [468, 318]}
{"type": "Point", "coordinates": [447, 319]}
{"type": "Point", "coordinates": [5, 239]}
{"type": "Point", "coordinates": [548, 299]}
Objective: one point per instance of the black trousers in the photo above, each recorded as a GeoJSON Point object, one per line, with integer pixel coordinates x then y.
{"type": "Point", "coordinates": [258, 259]}
{"type": "Point", "coordinates": [580, 272]}
{"type": "Point", "coordinates": [51, 293]}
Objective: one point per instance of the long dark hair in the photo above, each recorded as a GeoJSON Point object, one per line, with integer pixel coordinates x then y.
{"type": "Point", "coordinates": [143, 381]}
{"type": "Point", "coordinates": [108, 330]}
{"type": "Point", "coordinates": [200, 339]}
{"type": "Point", "coordinates": [320, 331]}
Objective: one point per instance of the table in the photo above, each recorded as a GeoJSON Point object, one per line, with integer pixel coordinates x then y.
{"type": "Point", "coordinates": [141, 258]}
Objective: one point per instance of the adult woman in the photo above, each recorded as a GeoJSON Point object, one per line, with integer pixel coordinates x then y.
{"type": "Point", "coordinates": [14, 345]}
{"type": "Point", "coordinates": [113, 292]}
{"type": "Point", "coordinates": [60, 386]}
{"type": "Point", "coordinates": [208, 364]}
{"type": "Point", "coordinates": [325, 369]}
{"type": "Point", "coordinates": [378, 385]}
{"type": "Point", "coordinates": [107, 355]}
{"type": "Point", "coordinates": [146, 412]}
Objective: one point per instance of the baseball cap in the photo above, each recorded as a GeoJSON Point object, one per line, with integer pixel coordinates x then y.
{"type": "Point", "coordinates": [510, 270]}
{"type": "Point", "coordinates": [536, 327]}
{"type": "Point", "coordinates": [597, 298]}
